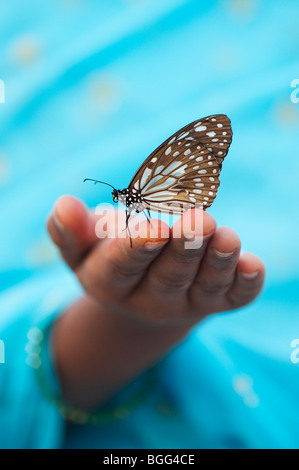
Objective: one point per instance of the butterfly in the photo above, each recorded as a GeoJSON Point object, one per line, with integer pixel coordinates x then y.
{"type": "Point", "coordinates": [182, 172]}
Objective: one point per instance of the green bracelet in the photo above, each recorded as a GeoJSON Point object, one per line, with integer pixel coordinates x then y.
{"type": "Point", "coordinates": [106, 414]}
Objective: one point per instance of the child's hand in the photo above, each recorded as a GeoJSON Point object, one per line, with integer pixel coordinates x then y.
{"type": "Point", "coordinates": [140, 301]}
{"type": "Point", "coordinates": [157, 279]}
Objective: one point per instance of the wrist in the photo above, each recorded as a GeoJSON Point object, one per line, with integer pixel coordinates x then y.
{"type": "Point", "coordinates": [138, 323]}
{"type": "Point", "coordinates": [98, 350]}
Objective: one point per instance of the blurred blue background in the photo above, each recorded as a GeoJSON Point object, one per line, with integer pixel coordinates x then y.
{"type": "Point", "coordinates": [91, 88]}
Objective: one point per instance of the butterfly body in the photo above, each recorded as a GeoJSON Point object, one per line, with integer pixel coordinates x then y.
{"type": "Point", "coordinates": [132, 199]}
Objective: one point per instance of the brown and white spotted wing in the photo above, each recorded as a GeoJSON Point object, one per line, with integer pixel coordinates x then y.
{"type": "Point", "coordinates": [193, 179]}
{"type": "Point", "coordinates": [184, 170]}
{"type": "Point", "coordinates": [216, 134]}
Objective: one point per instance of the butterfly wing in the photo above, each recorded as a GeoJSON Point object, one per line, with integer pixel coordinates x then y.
{"type": "Point", "coordinates": [184, 170]}
{"type": "Point", "coordinates": [215, 133]}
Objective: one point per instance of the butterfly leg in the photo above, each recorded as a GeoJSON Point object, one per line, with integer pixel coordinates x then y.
{"type": "Point", "coordinates": [148, 216]}
{"type": "Point", "coordinates": [128, 213]}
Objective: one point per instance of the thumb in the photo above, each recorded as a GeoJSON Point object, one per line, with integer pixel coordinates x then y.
{"type": "Point", "coordinates": [72, 229]}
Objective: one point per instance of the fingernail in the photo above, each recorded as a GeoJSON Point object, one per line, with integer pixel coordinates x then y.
{"type": "Point", "coordinates": [57, 222]}
{"type": "Point", "coordinates": [193, 241]}
{"type": "Point", "coordinates": [249, 275]}
{"type": "Point", "coordinates": [221, 254]}
{"type": "Point", "coordinates": [192, 236]}
{"type": "Point", "coordinates": [152, 246]}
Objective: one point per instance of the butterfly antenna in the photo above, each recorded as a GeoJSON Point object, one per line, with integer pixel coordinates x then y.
{"type": "Point", "coordinates": [97, 181]}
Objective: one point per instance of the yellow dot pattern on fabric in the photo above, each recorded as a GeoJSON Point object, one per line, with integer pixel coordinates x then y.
{"type": "Point", "coordinates": [287, 114]}
{"type": "Point", "coordinates": [42, 252]}
{"type": "Point", "coordinates": [104, 93]}
{"type": "Point", "coordinates": [244, 9]}
{"type": "Point", "coordinates": [25, 50]}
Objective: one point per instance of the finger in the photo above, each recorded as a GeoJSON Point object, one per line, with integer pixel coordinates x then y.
{"type": "Point", "coordinates": [71, 228]}
{"type": "Point", "coordinates": [250, 275]}
{"type": "Point", "coordinates": [173, 272]}
{"type": "Point", "coordinates": [217, 270]}
{"type": "Point", "coordinates": [115, 267]}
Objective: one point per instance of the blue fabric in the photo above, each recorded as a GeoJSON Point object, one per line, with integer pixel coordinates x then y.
{"type": "Point", "coordinates": [91, 88]}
